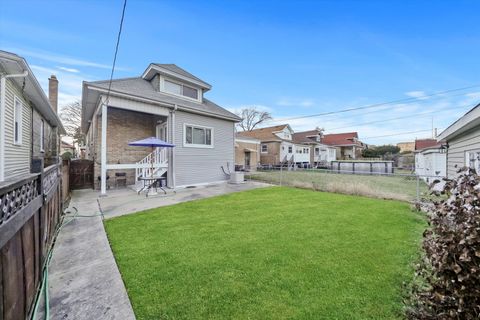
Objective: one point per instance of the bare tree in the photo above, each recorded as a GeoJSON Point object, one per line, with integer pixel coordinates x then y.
{"type": "Point", "coordinates": [252, 117]}
{"type": "Point", "coordinates": [71, 116]}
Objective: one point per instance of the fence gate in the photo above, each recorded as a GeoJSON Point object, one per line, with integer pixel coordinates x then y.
{"type": "Point", "coordinates": [81, 174]}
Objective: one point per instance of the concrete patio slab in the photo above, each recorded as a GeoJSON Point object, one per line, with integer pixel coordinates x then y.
{"type": "Point", "coordinates": [84, 280]}
{"type": "Point", "coordinates": [125, 201]}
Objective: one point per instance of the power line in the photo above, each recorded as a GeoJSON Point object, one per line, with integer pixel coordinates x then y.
{"type": "Point", "coordinates": [397, 134]}
{"type": "Point", "coordinates": [376, 105]}
{"type": "Point", "coordinates": [116, 50]}
{"type": "Point", "coordinates": [402, 117]}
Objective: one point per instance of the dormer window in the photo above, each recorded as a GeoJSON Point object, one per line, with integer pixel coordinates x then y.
{"type": "Point", "coordinates": [180, 89]}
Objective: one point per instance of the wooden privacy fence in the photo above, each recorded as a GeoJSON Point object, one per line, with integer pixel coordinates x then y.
{"type": "Point", "coordinates": [30, 208]}
{"type": "Point", "coordinates": [81, 174]}
{"type": "Point", "coordinates": [65, 180]}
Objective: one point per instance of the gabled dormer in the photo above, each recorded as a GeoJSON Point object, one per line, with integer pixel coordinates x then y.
{"type": "Point", "coordinates": [285, 134]}
{"type": "Point", "coordinates": [173, 80]}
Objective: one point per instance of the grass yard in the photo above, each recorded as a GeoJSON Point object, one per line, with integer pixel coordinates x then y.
{"type": "Point", "coordinates": [273, 253]}
{"type": "Point", "coordinates": [383, 187]}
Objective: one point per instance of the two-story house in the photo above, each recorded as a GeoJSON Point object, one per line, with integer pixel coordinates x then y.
{"type": "Point", "coordinates": [278, 146]}
{"type": "Point", "coordinates": [167, 102]}
{"type": "Point", "coordinates": [348, 146]}
{"type": "Point", "coordinates": [320, 154]}
{"type": "Point", "coordinates": [29, 125]}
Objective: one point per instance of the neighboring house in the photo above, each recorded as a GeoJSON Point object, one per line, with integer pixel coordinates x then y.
{"type": "Point", "coordinates": [67, 147]}
{"type": "Point", "coordinates": [167, 102]}
{"type": "Point", "coordinates": [32, 186]}
{"type": "Point", "coordinates": [406, 146]}
{"type": "Point", "coordinates": [277, 146]}
{"type": "Point", "coordinates": [347, 144]}
{"type": "Point", "coordinates": [320, 154]}
{"type": "Point", "coordinates": [430, 159]}
{"type": "Point", "coordinates": [247, 153]}
{"type": "Point", "coordinates": [424, 143]}
{"type": "Point", "coordinates": [29, 125]}
{"type": "Point", "coordinates": [462, 142]}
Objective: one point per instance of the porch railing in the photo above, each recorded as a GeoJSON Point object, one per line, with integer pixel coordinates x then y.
{"type": "Point", "coordinates": [159, 159]}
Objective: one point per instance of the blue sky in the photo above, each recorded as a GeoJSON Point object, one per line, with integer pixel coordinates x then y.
{"type": "Point", "coordinates": [291, 58]}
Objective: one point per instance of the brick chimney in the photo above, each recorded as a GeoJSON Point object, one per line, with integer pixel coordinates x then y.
{"type": "Point", "coordinates": [53, 92]}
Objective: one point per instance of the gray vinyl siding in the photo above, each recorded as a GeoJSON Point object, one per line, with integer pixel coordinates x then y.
{"type": "Point", "coordinates": [49, 137]}
{"type": "Point", "coordinates": [468, 141]}
{"type": "Point", "coordinates": [17, 157]}
{"type": "Point", "coordinates": [203, 165]}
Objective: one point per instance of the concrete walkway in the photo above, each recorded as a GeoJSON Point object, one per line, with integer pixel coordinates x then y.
{"type": "Point", "coordinates": [84, 281]}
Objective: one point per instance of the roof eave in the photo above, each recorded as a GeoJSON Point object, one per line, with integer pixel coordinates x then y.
{"type": "Point", "coordinates": [157, 102]}
{"type": "Point", "coordinates": [468, 121]}
{"type": "Point", "coordinates": [48, 110]}
{"type": "Point", "coordinates": [152, 67]}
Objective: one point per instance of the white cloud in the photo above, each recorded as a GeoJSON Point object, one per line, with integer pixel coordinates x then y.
{"type": "Point", "coordinates": [69, 84]}
{"type": "Point", "coordinates": [417, 94]}
{"type": "Point", "coordinates": [72, 70]}
{"type": "Point", "coordinates": [288, 102]}
{"type": "Point", "coordinates": [62, 59]}
{"type": "Point", "coordinates": [259, 107]}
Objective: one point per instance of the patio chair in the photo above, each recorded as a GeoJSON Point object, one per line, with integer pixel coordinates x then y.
{"type": "Point", "coordinates": [120, 177]}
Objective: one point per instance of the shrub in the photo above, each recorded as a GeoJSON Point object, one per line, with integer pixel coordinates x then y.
{"type": "Point", "coordinates": [67, 155]}
{"type": "Point", "coordinates": [448, 277]}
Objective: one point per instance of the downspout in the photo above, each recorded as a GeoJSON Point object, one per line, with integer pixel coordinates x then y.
{"type": "Point", "coordinates": [173, 149]}
{"type": "Point", "coordinates": [3, 84]}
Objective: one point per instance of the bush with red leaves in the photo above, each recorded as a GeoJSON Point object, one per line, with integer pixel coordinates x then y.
{"type": "Point", "coordinates": [448, 277]}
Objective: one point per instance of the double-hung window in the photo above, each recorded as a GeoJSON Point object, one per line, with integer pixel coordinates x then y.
{"type": "Point", "coordinates": [180, 89]}
{"type": "Point", "coordinates": [264, 148]}
{"type": "Point", "coordinates": [198, 136]}
{"type": "Point", "coordinates": [17, 121]}
{"type": "Point", "coordinates": [472, 160]}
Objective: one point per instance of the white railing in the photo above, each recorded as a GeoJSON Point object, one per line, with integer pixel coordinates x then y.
{"type": "Point", "coordinates": [145, 168]}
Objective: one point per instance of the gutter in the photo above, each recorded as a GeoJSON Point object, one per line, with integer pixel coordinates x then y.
{"type": "Point", "coordinates": [3, 84]}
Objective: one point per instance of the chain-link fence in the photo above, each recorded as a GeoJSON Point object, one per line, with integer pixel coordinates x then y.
{"type": "Point", "coordinates": [397, 184]}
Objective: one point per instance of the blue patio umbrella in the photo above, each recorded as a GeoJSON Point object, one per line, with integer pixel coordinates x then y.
{"type": "Point", "coordinates": [153, 143]}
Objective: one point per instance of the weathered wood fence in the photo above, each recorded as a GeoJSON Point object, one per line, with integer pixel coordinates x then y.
{"type": "Point", "coordinates": [30, 208]}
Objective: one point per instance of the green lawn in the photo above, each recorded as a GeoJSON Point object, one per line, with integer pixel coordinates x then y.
{"type": "Point", "coordinates": [274, 253]}
{"type": "Point", "coordinates": [383, 187]}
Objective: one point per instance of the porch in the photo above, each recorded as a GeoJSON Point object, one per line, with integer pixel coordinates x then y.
{"type": "Point", "coordinates": [116, 164]}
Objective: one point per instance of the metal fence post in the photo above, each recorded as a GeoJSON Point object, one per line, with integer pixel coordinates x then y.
{"type": "Point", "coordinates": [418, 188]}
{"type": "Point", "coordinates": [281, 173]}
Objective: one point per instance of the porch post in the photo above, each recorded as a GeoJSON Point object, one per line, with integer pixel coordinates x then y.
{"type": "Point", "coordinates": [172, 150]}
{"type": "Point", "coordinates": [104, 149]}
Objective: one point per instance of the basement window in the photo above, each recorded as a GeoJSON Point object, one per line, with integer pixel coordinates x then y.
{"type": "Point", "coordinates": [17, 121]}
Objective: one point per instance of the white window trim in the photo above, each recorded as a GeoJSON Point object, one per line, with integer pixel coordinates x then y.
{"type": "Point", "coordinates": [42, 135]}
{"type": "Point", "coordinates": [261, 148]}
{"type": "Point", "coordinates": [162, 89]}
{"type": "Point", "coordinates": [192, 145]}
{"type": "Point", "coordinates": [20, 129]}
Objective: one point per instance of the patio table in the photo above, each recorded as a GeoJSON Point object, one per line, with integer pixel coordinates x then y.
{"type": "Point", "coordinates": [155, 182]}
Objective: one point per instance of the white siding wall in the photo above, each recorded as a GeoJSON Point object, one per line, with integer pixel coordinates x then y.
{"type": "Point", "coordinates": [284, 150]}
{"type": "Point", "coordinates": [17, 157]}
{"type": "Point", "coordinates": [202, 165]}
{"type": "Point", "coordinates": [469, 141]}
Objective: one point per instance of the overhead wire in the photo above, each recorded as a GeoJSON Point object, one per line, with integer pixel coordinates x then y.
{"type": "Point", "coordinates": [376, 105]}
